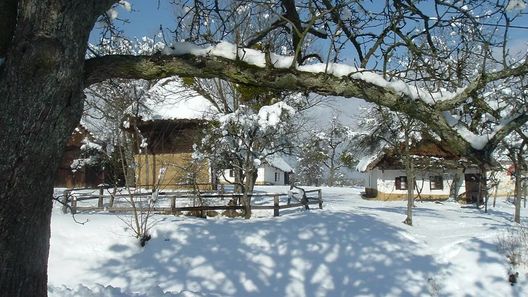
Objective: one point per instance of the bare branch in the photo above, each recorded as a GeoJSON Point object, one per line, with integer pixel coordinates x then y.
{"type": "Point", "coordinates": [480, 82]}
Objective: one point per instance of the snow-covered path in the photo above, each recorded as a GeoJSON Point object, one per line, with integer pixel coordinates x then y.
{"type": "Point", "coordinates": [353, 247]}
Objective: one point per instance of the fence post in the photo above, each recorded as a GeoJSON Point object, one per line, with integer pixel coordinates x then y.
{"type": "Point", "coordinates": [112, 197]}
{"type": "Point", "coordinates": [101, 192]}
{"type": "Point", "coordinates": [320, 198]}
{"type": "Point", "coordinates": [74, 205]}
{"type": "Point", "coordinates": [65, 198]}
{"type": "Point", "coordinates": [276, 205]}
{"type": "Point", "coordinates": [173, 205]}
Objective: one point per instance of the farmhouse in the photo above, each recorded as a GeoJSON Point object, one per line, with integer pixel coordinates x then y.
{"type": "Point", "coordinates": [273, 171]}
{"type": "Point", "coordinates": [169, 122]}
{"type": "Point", "coordinates": [440, 174]}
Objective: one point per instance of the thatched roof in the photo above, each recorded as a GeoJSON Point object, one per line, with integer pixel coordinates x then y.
{"type": "Point", "coordinates": [426, 153]}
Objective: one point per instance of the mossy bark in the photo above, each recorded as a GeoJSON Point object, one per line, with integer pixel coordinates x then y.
{"type": "Point", "coordinates": [41, 97]}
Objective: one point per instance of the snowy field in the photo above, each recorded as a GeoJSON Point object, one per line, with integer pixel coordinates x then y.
{"type": "Point", "coordinates": [353, 247]}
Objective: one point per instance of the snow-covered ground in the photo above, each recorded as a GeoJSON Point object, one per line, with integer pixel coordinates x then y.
{"type": "Point", "coordinates": [353, 247]}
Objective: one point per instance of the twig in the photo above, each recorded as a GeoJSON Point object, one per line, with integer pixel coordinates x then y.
{"type": "Point", "coordinates": [70, 208]}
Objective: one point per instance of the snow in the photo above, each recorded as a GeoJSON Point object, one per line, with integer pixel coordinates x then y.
{"type": "Point", "coordinates": [90, 145]}
{"type": "Point", "coordinates": [183, 48]}
{"type": "Point", "coordinates": [279, 163]}
{"type": "Point", "coordinates": [476, 141]}
{"type": "Point", "coordinates": [256, 162]}
{"type": "Point", "coordinates": [170, 100]}
{"type": "Point", "coordinates": [365, 161]}
{"type": "Point", "coordinates": [353, 247]}
{"type": "Point", "coordinates": [126, 5]}
{"type": "Point", "coordinates": [270, 115]}
{"type": "Point", "coordinates": [516, 5]}
{"type": "Point", "coordinates": [112, 14]}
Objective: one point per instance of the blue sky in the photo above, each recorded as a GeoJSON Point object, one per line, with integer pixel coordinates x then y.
{"type": "Point", "coordinates": [145, 18]}
{"type": "Point", "coordinates": [148, 15]}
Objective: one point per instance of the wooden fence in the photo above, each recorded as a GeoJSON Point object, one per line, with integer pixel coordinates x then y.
{"type": "Point", "coordinates": [167, 202]}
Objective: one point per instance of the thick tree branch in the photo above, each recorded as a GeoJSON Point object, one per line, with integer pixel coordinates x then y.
{"type": "Point", "coordinates": [505, 130]}
{"type": "Point", "coordinates": [158, 66]}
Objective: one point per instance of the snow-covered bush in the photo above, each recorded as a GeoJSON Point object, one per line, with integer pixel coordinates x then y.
{"type": "Point", "coordinates": [513, 244]}
{"type": "Point", "coordinates": [242, 139]}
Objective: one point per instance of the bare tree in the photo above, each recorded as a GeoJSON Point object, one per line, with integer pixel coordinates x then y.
{"type": "Point", "coordinates": [514, 147]}
{"type": "Point", "coordinates": [243, 139]}
{"type": "Point", "coordinates": [325, 149]}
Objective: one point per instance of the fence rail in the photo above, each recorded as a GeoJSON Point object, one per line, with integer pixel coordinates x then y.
{"type": "Point", "coordinates": [167, 202]}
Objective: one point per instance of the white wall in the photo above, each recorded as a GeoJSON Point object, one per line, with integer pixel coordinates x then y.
{"type": "Point", "coordinates": [371, 179]}
{"type": "Point", "coordinates": [265, 175]}
{"type": "Point", "coordinates": [506, 184]}
{"type": "Point", "coordinates": [386, 181]}
{"type": "Point", "coordinates": [383, 181]}
{"type": "Point", "coordinates": [226, 178]}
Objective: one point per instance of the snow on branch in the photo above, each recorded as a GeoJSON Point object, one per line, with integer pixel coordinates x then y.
{"type": "Point", "coordinates": [178, 58]}
{"type": "Point", "coordinates": [479, 142]}
{"type": "Point", "coordinates": [255, 68]}
{"type": "Point", "coordinates": [257, 58]}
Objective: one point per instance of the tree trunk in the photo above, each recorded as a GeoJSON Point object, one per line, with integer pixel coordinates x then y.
{"type": "Point", "coordinates": [331, 170]}
{"type": "Point", "coordinates": [455, 186]}
{"type": "Point", "coordinates": [483, 191]}
{"type": "Point", "coordinates": [518, 197]}
{"type": "Point", "coordinates": [238, 180]}
{"type": "Point", "coordinates": [518, 185]}
{"type": "Point", "coordinates": [410, 191]}
{"type": "Point", "coordinates": [41, 98]}
{"type": "Point", "coordinates": [409, 171]}
{"type": "Point", "coordinates": [249, 186]}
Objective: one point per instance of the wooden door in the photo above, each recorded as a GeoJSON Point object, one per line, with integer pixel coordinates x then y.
{"type": "Point", "coordinates": [473, 188]}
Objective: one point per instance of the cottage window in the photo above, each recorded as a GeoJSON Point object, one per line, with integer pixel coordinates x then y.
{"type": "Point", "coordinates": [400, 183]}
{"type": "Point", "coordinates": [231, 173]}
{"type": "Point", "coordinates": [276, 176]}
{"type": "Point", "coordinates": [437, 182]}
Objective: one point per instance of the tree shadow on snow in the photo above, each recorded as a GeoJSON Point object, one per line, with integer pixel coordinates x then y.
{"type": "Point", "coordinates": [306, 254]}
{"type": "Point", "coordinates": [417, 211]}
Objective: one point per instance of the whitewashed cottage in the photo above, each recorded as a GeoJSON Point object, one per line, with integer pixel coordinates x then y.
{"type": "Point", "coordinates": [440, 174]}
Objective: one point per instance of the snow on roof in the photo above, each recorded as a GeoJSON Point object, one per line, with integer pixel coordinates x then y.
{"type": "Point", "coordinates": [279, 163]}
{"type": "Point", "coordinates": [369, 161]}
{"type": "Point", "coordinates": [170, 100]}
